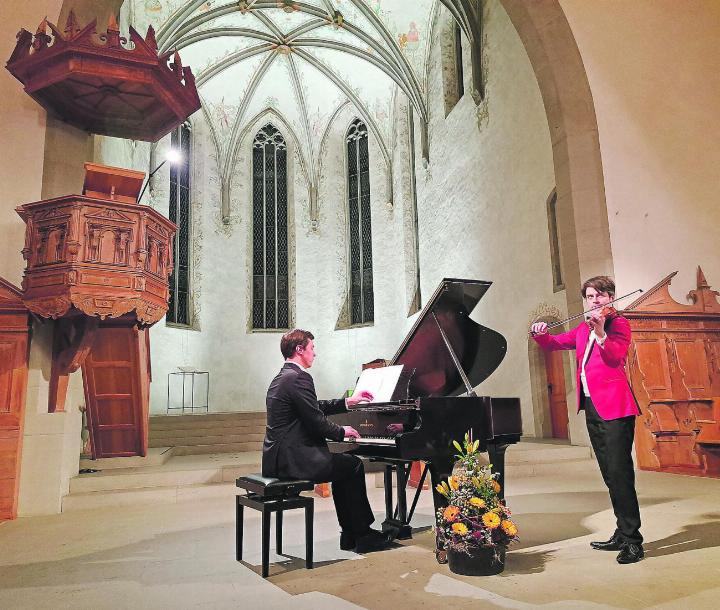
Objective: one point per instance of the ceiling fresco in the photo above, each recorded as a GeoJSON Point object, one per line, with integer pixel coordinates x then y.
{"type": "Point", "coordinates": [303, 60]}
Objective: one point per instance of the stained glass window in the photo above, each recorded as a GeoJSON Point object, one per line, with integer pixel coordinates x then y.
{"type": "Point", "coordinates": [270, 231]}
{"type": "Point", "coordinates": [361, 276]}
{"type": "Point", "coordinates": [179, 307]}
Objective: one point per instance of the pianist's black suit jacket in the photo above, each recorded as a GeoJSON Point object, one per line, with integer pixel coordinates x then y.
{"type": "Point", "coordinates": [297, 426]}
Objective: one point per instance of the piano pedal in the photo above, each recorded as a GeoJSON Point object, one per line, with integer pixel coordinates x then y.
{"type": "Point", "coordinates": [441, 556]}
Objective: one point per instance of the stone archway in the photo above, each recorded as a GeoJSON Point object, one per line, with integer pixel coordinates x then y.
{"type": "Point", "coordinates": [582, 212]}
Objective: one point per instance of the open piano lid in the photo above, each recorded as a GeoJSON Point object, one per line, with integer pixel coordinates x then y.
{"type": "Point", "coordinates": [479, 350]}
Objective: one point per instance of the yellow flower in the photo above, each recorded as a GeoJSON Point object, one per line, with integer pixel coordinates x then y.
{"type": "Point", "coordinates": [509, 527]}
{"type": "Point", "coordinates": [460, 528]}
{"type": "Point", "coordinates": [491, 520]}
{"type": "Point", "coordinates": [451, 513]}
{"type": "Point", "coordinates": [454, 483]}
{"type": "Point", "coordinates": [441, 489]}
{"type": "Point", "coordinates": [495, 486]}
{"type": "Point", "coordinates": [477, 502]}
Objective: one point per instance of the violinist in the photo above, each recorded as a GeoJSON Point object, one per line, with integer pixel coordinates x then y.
{"type": "Point", "coordinates": [601, 344]}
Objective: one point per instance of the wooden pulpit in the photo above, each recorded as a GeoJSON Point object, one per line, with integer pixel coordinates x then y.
{"type": "Point", "coordinates": [98, 264]}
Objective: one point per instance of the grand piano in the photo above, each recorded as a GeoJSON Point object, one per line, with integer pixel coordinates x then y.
{"type": "Point", "coordinates": [444, 356]}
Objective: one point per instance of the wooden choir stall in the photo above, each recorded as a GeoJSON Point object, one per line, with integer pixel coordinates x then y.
{"type": "Point", "coordinates": [674, 369]}
{"type": "Point", "coordinates": [98, 264]}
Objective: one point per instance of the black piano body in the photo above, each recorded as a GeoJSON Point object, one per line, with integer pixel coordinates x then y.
{"type": "Point", "coordinates": [445, 354]}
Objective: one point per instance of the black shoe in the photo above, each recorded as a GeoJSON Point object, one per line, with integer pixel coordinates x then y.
{"type": "Point", "coordinates": [631, 553]}
{"type": "Point", "coordinates": [614, 544]}
{"type": "Point", "coordinates": [347, 541]}
{"type": "Point", "coordinates": [373, 541]}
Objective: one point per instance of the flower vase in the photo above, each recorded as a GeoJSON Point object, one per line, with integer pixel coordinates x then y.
{"type": "Point", "coordinates": [478, 561]}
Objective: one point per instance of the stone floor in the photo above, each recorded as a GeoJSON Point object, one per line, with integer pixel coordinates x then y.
{"type": "Point", "coordinates": [182, 556]}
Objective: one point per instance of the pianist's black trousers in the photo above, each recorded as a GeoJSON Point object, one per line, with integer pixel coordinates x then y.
{"type": "Point", "coordinates": [612, 442]}
{"type": "Point", "coordinates": [350, 494]}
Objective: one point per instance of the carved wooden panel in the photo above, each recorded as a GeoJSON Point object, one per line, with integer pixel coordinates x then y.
{"type": "Point", "coordinates": [116, 380]}
{"type": "Point", "coordinates": [98, 254]}
{"type": "Point", "coordinates": [14, 325]}
{"type": "Point", "coordinates": [673, 369]}
{"type": "Point", "coordinates": [652, 368]}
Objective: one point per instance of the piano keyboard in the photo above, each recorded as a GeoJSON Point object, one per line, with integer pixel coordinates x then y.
{"type": "Point", "coordinates": [369, 440]}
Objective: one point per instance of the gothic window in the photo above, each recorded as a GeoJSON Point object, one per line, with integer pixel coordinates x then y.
{"type": "Point", "coordinates": [360, 259]}
{"type": "Point", "coordinates": [270, 230]}
{"type": "Point", "coordinates": [558, 283]}
{"type": "Point", "coordinates": [179, 305]}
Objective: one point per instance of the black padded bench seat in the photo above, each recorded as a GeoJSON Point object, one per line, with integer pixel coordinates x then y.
{"type": "Point", "coordinates": [270, 495]}
{"type": "Point", "coordinates": [270, 488]}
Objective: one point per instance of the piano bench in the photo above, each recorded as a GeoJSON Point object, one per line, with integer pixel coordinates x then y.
{"type": "Point", "coordinates": [268, 496]}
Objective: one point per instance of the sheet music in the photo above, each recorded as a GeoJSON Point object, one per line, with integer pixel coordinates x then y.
{"type": "Point", "coordinates": [380, 382]}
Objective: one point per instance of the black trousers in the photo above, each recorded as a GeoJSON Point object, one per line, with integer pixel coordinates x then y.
{"type": "Point", "coordinates": [612, 442]}
{"type": "Point", "coordinates": [350, 494]}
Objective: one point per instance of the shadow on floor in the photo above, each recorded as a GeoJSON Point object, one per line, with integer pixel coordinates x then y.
{"type": "Point", "coordinates": [691, 538]}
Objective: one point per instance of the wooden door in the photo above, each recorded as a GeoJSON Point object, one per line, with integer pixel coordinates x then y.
{"type": "Point", "coordinates": [14, 341]}
{"type": "Point", "coordinates": [116, 379]}
{"type": "Point", "coordinates": [556, 394]}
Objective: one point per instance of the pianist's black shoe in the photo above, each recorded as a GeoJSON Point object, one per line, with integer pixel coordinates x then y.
{"type": "Point", "coordinates": [367, 543]}
{"type": "Point", "coordinates": [614, 544]}
{"type": "Point", "coordinates": [347, 541]}
{"type": "Point", "coordinates": [631, 553]}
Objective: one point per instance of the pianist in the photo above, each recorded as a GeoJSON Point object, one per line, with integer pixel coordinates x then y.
{"type": "Point", "coordinates": [295, 443]}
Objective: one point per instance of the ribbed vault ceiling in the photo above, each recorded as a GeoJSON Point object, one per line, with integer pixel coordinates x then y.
{"type": "Point", "coordinates": [301, 60]}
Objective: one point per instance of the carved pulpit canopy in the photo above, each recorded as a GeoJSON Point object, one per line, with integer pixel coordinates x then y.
{"type": "Point", "coordinates": [99, 253]}
{"type": "Point", "coordinates": [97, 84]}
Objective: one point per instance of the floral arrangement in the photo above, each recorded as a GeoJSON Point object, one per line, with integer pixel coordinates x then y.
{"type": "Point", "coordinates": [475, 516]}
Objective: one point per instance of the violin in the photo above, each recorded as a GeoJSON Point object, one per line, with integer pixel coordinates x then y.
{"type": "Point", "coordinates": [606, 310]}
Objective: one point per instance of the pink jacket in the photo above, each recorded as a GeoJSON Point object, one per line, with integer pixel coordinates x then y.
{"type": "Point", "coordinates": [605, 368]}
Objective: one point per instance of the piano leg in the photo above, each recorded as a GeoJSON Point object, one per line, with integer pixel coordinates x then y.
{"type": "Point", "coordinates": [496, 453]}
{"type": "Point", "coordinates": [401, 478]}
{"type": "Point", "coordinates": [388, 493]}
{"type": "Point", "coordinates": [396, 517]}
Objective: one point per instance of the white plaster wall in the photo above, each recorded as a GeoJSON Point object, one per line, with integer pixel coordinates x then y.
{"type": "Point", "coordinates": [483, 216]}
{"type": "Point", "coordinates": [242, 362]}
{"type": "Point", "coordinates": [475, 217]}
{"type": "Point", "coordinates": [653, 70]}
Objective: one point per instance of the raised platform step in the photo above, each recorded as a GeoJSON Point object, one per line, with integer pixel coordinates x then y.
{"type": "Point", "coordinates": [538, 457]}
{"type": "Point", "coordinates": [218, 448]}
{"type": "Point", "coordinates": [180, 478]}
{"type": "Point", "coordinates": [147, 495]}
{"type": "Point", "coordinates": [206, 419]}
{"type": "Point", "coordinates": [156, 456]}
{"type": "Point", "coordinates": [208, 433]}
{"type": "Point", "coordinates": [210, 436]}
{"type": "Point", "coordinates": [184, 477]}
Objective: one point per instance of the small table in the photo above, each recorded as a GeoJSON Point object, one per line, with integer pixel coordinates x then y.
{"type": "Point", "coordinates": [188, 397]}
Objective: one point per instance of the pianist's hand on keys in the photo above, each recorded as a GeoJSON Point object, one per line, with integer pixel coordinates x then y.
{"type": "Point", "coordinates": [358, 397]}
{"type": "Point", "coordinates": [351, 433]}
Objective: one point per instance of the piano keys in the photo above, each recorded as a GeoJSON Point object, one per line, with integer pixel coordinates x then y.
{"type": "Point", "coordinates": [445, 355]}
